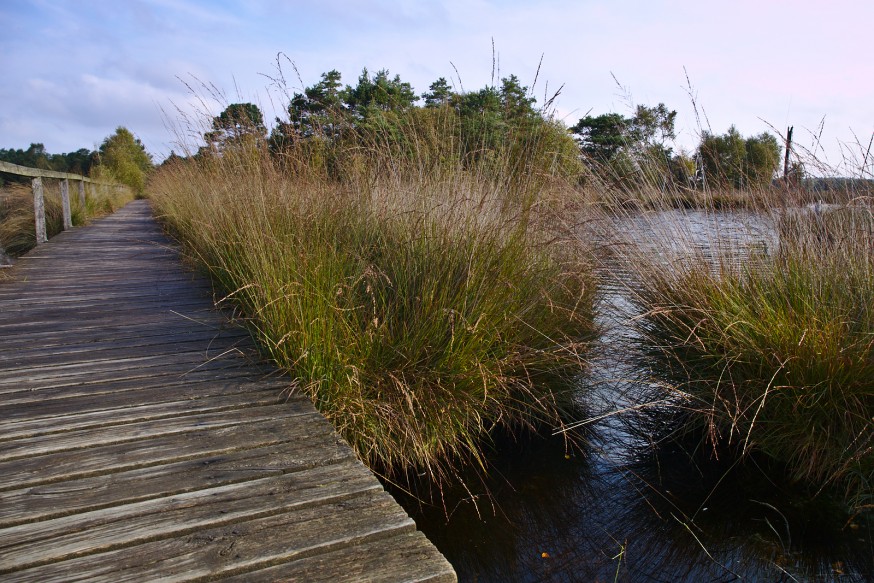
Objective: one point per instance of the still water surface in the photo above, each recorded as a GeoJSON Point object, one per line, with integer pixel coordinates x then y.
{"type": "Point", "coordinates": [622, 510]}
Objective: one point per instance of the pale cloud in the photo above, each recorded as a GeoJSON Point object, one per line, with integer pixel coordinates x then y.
{"type": "Point", "coordinates": [102, 64]}
{"type": "Point", "coordinates": [188, 12]}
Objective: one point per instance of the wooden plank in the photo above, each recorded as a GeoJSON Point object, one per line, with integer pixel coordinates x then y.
{"type": "Point", "coordinates": [142, 374]}
{"type": "Point", "coordinates": [43, 314]}
{"type": "Point", "coordinates": [70, 345]}
{"type": "Point", "coordinates": [104, 283]}
{"type": "Point", "coordinates": [105, 323]}
{"type": "Point", "coordinates": [152, 390]}
{"type": "Point", "coordinates": [137, 431]}
{"type": "Point", "coordinates": [25, 360]}
{"type": "Point", "coordinates": [202, 441]}
{"type": "Point", "coordinates": [73, 496]}
{"type": "Point", "coordinates": [47, 320]}
{"type": "Point", "coordinates": [246, 546]}
{"type": "Point", "coordinates": [83, 288]}
{"type": "Point", "coordinates": [49, 541]}
{"type": "Point", "coordinates": [406, 556]}
{"type": "Point", "coordinates": [62, 422]}
{"type": "Point", "coordinates": [113, 368]}
{"type": "Point", "coordinates": [10, 168]}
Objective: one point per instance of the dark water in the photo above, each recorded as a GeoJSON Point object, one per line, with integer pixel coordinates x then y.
{"type": "Point", "coordinates": [623, 509]}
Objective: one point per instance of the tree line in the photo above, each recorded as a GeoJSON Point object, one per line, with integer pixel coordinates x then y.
{"type": "Point", "coordinates": [121, 157]}
{"type": "Point", "coordinates": [36, 156]}
{"type": "Point", "coordinates": [629, 151]}
{"type": "Point", "coordinates": [500, 123]}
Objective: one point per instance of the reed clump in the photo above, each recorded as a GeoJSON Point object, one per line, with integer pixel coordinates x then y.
{"type": "Point", "coordinates": [422, 302]}
{"type": "Point", "coordinates": [773, 350]}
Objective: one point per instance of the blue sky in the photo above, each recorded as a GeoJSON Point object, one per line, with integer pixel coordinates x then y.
{"type": "Point", "coordinates": [74, 70]}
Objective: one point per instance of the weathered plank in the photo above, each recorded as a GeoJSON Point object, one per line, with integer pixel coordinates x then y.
{"type": "Point", "coordinates": [102, 370]}
{"type": "Point", "coordinates": [66, 537]}
{"type": "Point", "coordinates": [258, 544]}
{"type": "Point", "coordinates": [141, 439]}
{"type": "Point", "coordinates": [202, 383]}
{"type": "Point", "coordinates": [74, 495]}
{"type": "Point", "coordinates": [113, 458]}
{"type": "Point", "coordinates": [45, 321]}
{"type": "Point", "coordinates": [99, 380]}
{"type": "Point", "coordinates": [11, 168]}
{"type": "Point", "coordinates": [72, 345]}
{"type": "Point", "coordinates": [47, 442]}
{"type": "Point", "coordinates": [402, 557]}
{"type": "Point", "coordinates": [81, 420]}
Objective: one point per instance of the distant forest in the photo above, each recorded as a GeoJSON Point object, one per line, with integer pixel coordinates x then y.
{"type": "Point", "coordinates": [626, 150]}
{"type": "Point", "coordinates": [36, 156]}
{"type": "Point", "coordinates": [121, 157]}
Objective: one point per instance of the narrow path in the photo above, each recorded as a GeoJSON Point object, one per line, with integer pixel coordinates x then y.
{"type": "Point", "coordinates": [141, 440]}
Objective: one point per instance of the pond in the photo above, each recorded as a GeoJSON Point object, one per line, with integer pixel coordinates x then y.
{"type": "Point", "coordinates": [622, 509]}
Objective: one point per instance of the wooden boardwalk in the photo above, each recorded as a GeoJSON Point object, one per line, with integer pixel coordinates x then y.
{"type": "Point", "coordinates": [140, 440]}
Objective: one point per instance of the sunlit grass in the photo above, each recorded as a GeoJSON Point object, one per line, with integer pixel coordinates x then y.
{"type": "Point", "coordinates": [774, 352]}
{"type": "Point", "coordinates": [420, 311]}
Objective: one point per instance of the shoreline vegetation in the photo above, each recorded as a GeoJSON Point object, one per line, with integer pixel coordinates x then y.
{"type": "Point", "coordinates": [420, 298]}
{"type": "Point", "coordinates": [429, 274]}
{"type": "Point", "coordinates": [768, 350]}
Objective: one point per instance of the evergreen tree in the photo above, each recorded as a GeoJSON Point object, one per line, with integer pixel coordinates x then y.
{"type": "Point", "coordinates": [440, 93]}
{"type": "Point", "coordinates": [238, 124]}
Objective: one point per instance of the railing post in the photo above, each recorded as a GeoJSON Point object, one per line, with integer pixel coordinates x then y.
{"type": "Point", "coordinates": [65, 204]}
{"type": "Point", "coordinates": [39, 210]}
{"type": "Point", "coordinates": [82, 196]}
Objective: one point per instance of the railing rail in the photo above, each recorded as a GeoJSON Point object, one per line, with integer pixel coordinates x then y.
{"type": "Point", "coordinates": [39, 196]}
{"type": "Point", "coordinates": [10, 168]}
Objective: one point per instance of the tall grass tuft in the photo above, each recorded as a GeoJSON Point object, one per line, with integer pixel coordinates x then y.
{"type": "Point", "coordinates": [422, 303]}
{"type": "Point", "coordinates": [774, 350]}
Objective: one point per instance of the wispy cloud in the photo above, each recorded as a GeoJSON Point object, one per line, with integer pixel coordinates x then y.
{"type": "Point", "coordinates": [90, 65]}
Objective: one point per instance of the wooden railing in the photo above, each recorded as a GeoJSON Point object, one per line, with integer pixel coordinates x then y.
{"type": "Point", "coordinates": [39, 194]}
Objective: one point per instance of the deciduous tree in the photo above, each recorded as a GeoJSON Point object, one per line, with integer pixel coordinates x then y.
{"type": "Point", "coordinates": [123, 157]}
{"type": "Point", "coordinates": [732, 160]}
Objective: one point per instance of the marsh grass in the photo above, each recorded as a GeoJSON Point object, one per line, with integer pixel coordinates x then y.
{"type": "Point", "coordinates": [772, 350]}
{"type": "Point", "coordinates": [17, 225]}
{"type": "Point", "coordinates": [17, 229]}
{"type": "Point", "coordinates": [423, 303]}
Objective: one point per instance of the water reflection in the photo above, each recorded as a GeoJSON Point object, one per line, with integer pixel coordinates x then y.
{"type": "Point", "coordinates": [721, 520]}
{"type": "Point", "coordinates": [623, 509]}
{"type": "Point", "coordinates": [524, 529]}
{"type": "Point", "coordinates": [663, 515]}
